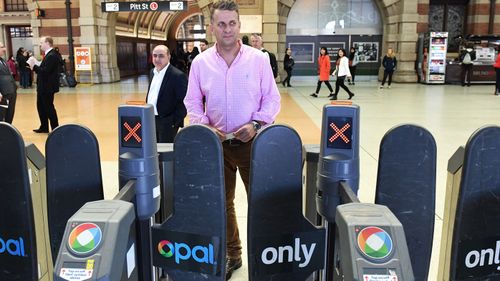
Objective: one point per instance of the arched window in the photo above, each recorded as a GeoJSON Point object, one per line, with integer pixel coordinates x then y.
{"type": "Point", "coordinates": [322, 17]}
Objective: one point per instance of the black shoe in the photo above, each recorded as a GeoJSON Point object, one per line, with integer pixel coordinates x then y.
{"type": "Point", "coordinates": [351, 95]}
{"type": "Point", "coordinates": [39, 131]}
{"type": "Point", "coordinates": [283, 83]}
{"type": "Point", "coordinates": [289, 85]}
{"type": "Point", "coordinates": [232, 265]}
{"type": "Point", "coordinates": [314, 95]}
{"type": "Point", "coordinates": [334, 97]}
{"type": "Point", "coordinates": [331, 95]}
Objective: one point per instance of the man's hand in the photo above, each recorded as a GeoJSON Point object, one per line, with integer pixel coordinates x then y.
{"type": "Point", "coordinates": [0, 97]}
{"type": "Point", "coordinates": [220, 134]}
{"type": "Point", "coordinates": [246, 132]}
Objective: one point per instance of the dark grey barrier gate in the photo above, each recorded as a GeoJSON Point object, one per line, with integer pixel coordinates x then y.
{"type": "Point", "coordinates": [282, 244]}
{"type": "Point", "coordinates": [475, 253]}
{"type": "Point", "coordinates": [406, 184]}
{"type": "Point", "coordinates": [73, 177]}
{"type": "Point", "coordinates": [18, 255]}
{"type": "Point", "coordinates": [191, 244]}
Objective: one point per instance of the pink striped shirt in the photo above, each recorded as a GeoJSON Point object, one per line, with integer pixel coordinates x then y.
{"type": "Point", "coordinates": [236, 94]}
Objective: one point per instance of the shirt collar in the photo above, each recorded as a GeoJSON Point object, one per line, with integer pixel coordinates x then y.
{"type": "Point", "coordinates": [240, 51]}
{"type": "Point", "coordinates": [46, 52]}
{"type": "Point", "coordinates": [155, 71]}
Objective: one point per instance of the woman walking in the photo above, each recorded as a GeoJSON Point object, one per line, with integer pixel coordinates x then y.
{"type": "Point", "coordinates": [288, 63]}
{"type": "Point", "coordinates": [497, 70]}
{"type": "Point", "coordinates": [389, 62]}
{"type": "Point", "coordinates": [324, 72]}
{"type": "Point", "coordinates": [342, 71]}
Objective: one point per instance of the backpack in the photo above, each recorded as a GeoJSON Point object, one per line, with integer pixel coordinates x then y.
{"type": "Point", "coordinates": [467, 59]}
{"type": "Point", "coordinates": [274, 62]}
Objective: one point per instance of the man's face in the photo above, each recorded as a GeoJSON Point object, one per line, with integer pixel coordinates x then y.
{"type": "Point", "coordinates": [3, 49]}
{"type": "Point", "coordinates": [44, 45]}
{"type": "Point", "coordinates": [160, 57]}
{"type": "Point", "coordinates": [203, 46]}
{"type": "Point", "coordinates": [226, 27]}
{"type": "Point", "coordinates": [256, 42]}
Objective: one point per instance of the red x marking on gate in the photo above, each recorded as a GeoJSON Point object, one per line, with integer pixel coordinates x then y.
{"type": "Point", "coordinates": [132, 132]}
{"type": "Point", "coordinates": [339, 133]}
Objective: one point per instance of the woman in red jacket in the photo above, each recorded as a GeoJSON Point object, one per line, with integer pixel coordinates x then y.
{"type": "Point", "coordinates": [324, 72]}
{"type": "Point", "coordinates": [497, 69]}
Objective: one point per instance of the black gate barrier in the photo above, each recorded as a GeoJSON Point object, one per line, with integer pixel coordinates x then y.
{"type": "Point", "coordinates": [406, 184]}
{"type": "Point", "coordinates": [475, 253]}
{"type": "Point", "coordinates": [195, 234]}
{"type": "Point", "coordinates": [73, 176]}
{"type": "Point", "coordinates": [18, 254]}
{"type": "Point", "coordinates": [282, 244]}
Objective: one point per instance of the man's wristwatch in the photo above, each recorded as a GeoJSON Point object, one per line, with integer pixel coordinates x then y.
{"type": "Point", "coordinates": [256, 125]}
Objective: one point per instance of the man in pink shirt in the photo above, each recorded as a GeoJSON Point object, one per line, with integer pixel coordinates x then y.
{"type": "Point", "coordinates": [241, 95]}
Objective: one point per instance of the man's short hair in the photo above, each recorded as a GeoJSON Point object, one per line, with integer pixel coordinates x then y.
{"type": "Point", "coordinates": [204, 41]}
{"type": "Point", "coordinates": [224, 5]}
{"type": "Point", "coordinates": [49, 40]}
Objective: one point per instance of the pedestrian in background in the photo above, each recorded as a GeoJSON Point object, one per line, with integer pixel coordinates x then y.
{"type": "Point", "coordinates": [390, 63]}
{"type": "Point", "coordinates": [497, 70]}
{"type": "Point", "coordinates": [288, 63]}
{"type": "Point", "coordinates": [8, 89]}
{"type": "Point", "coordinates": [353, 62]}
{"type": "Point", "coordinates": [342, 72]}
{"type": "Point", "coordinates": [467, 56]}
{"type": "Point", "coordinates": [324, 72]}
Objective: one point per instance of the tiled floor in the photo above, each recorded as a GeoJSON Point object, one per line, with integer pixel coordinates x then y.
{"type": "Point", "coordinates": [451, 113]}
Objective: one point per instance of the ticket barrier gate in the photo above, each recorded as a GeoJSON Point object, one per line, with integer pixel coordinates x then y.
{"type": "Point", "coordinates": [285, 246]}
{"type": "Point", "coordinates": [371, 244]}
{"type": "Point", "coordinates": [99, 243]}
{"type": "Point", "coordinates": [37, 174]}
{"type": "Point", "coordinates": [338, 170]}
{"type": "Point", "coordinates": [18, 248]}
{"type": "Point", "coordinates": [196, 225]}
{"type": "Point", "coordinates": [471, 216]}
{"type": "Point", "coordinates": [42, 196]}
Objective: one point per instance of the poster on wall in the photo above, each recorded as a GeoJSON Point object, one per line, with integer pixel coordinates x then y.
{"type": "Point", "coordinates": [367, 51]}
{"type": "Point", "coordinates": [333, 49]}
{"type": "Point", "coordinates": [302, 52]}
{"type": "Point", "coordinates": [83, 59]}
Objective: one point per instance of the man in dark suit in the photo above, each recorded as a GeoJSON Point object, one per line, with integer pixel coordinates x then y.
{"type": "Point", "coordinates": [166, 92]}
{"type": "Point", "coordinates": [8, 89]}
{"type": "Point", "coordinates": [47, 84]}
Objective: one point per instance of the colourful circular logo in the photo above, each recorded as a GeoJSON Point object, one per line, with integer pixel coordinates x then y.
{"type": "Point", "coordinates": [169, 248]}
{"type": "Point", "coordinates": [85, 238]}
{"type": "Point", "coordinates": [374, 242]}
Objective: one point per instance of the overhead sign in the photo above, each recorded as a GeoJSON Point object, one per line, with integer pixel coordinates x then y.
{"type": "Point", "coordinates": [144, 6]}
{"type": "Point", "coordinates": [83, 59]}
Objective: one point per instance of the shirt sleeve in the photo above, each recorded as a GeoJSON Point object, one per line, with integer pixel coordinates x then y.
{"type": "Point", "coordinates": [270, 104]}
{"type": "Point", "coordinates": [194, 97]}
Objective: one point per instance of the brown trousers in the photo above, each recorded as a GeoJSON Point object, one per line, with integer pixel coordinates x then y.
{"type": "Point", "coordinates": [236, 157]}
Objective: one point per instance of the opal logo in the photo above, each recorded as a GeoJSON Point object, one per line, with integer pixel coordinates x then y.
{"type": "Point", "coordinates": [298, 253]}
{"type": "Point", "coordinates": [375, 242]}
{"type": "Point", "coordinates": [13, 247]}
{"type": "Point", "coordinates": [85, 238]}
{"type": "Point", "coordinates": [183, 252]}
{"type": "Point", "coordinates": [483, 257]}
{"type": "Point", "coordinates": [166, 245]}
